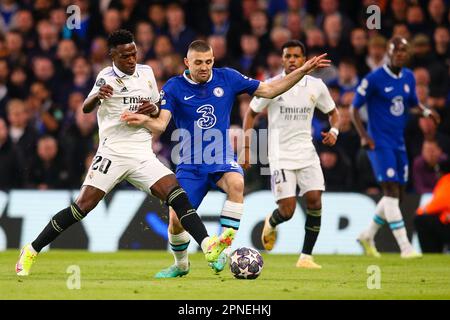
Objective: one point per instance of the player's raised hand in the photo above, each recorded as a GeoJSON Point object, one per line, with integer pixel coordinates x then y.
{"type": "Point", "coordinates": [315, 63]}
{"type": "Point", "coordinates": [134, 119]}
{"type": "Point", "coordinates": [367, 143]}
{"type": "Point", "coordinates": [148, 108]}
{"type": "Point", "coordinates": [329, 138]}
{"type": "Point", "coordinates": [244, 158]}
{"type": "Point", "coordinates": [105, 92]}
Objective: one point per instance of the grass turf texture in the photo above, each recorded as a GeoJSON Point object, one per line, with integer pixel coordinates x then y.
{"type": "Point", "coordinates": [129, 275]}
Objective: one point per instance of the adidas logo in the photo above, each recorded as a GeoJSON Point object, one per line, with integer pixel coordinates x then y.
{"type": "Point", "coordinates": [280, 99]}
{"type": "Point", "coordinates": [124, 89]}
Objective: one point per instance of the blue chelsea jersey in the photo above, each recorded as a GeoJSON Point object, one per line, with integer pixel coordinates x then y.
{"type": "Point", "coordinates": [201, 113]}
{"type": "Point", "coordinates": [388, 98]}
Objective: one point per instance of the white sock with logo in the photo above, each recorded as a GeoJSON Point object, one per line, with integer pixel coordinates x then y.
{"type": "Point", "coordinates": [396, 223]}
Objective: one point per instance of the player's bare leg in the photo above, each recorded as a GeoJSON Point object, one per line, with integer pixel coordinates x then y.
{"type": "Point", "coordinates": [87, 200]}
{"type": "Point", "coordinates": [312, 229]}
{"type": "Point", "coordinates": [284, 212]}
{"type": "Point", "coordinates": [183, 219]}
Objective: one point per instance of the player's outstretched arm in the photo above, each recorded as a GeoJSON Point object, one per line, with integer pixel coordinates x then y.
{"type": "Point", "coordinates": [249, 121]}
{"type": "Point", "coordinates": [155, 125]}
{"type": "Point", "coordinates": [427, 112]}
{"type": "Point", "coordinates": [277, 87]}
{"type": "Point", "coordinates": [366, 141]}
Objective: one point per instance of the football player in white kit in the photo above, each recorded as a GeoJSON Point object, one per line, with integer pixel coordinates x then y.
{"type": "Point", "coordinates": [293, 159]}
{"type": "Point", "coordinates": [125, 153]}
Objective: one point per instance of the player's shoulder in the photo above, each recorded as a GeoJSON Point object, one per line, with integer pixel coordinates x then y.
{"type": "Point", "coordinates": [276, 77]}
{"type": "Point", "coordinates": [174, 81]}
{"type": "Point", "coordinates": [408, 73]}
{"type": "Point", "coordinates": [144, 68]}
{"type": "Point", "coordinates": [106, 72]}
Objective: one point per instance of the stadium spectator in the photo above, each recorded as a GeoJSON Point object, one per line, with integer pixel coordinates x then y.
{"type": "Point", "coordinates": [112, 21]}
{"type": "Point", "coordinates": [78, 140]}
{"type": "Point", "coordinates": [47, 40]}
{"type": "Point", "coordinates": [336, 169]}
{"type": "Point", "coordinates": [65, 55]}
{"type": "Point", "coordinates": [250, 59]}
{"type": "Point", "coordinates": [426, 167]}
{"type": "Point", "coordinates": [337, 46]}
{"type": "Point", "coordinates": [415, 18]}
{"type": "Point", "coordinates": [157, 16]}
{"type": "Point", "coordinates": [22, 134]}
{"type": "Point", "coordinates": [347, 79]}
{"type": "Point", "coordinates": [441, 39]}
{"type": "Point", "coordinates": [15, 46]}
{"type": "Point", "coordinates": [359, 43]}
{"type": "Point", "coordinates": [279, 36]}
{"type": "Point", "coordinates": [145, 38]}
{"type": "Point", "coordinates": [432, 221]}
{"type": "Point", "coordinates": [436, 13]}
{"type": "Point", "coordinates": [99, 54]}
{"type": "Point", "coordinates": [401, 30]}
{"type": "Point", "coordinates": [24, 23]}
{"type": "Point", "coordinates": [220, 18]}
{"type": "Point", "coordinates": [7, 11]}
{"type": "Point", "coordinates": [377, 52]}
{"type": "Point", "coordinates": [18, 86]}
{"type": "Point", "coordinates": [218, 44]}
{"type": "Point", "coordinates": [348, 142]}
{"type": "Point", "coordinates": [11, 168]}
{"type": "Point", "coordinates": [259, 27]}
{"type": "Point", "coordinates": [48, 169]}
{"type": "Point", "coordinates": [180, 34]}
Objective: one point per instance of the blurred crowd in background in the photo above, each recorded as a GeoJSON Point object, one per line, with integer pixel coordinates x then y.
{"type": "Point", "coordinates": [47, 69]}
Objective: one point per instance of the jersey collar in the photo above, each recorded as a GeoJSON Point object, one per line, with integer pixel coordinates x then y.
{"type": "Point", "coordinates": [301, 83]}
{"type": "Point", "coordinates": [389, 72]}
{"type": "Point", "coordinates": [192, 81]}
{"type": "Point", "coordinates": [121, 74]}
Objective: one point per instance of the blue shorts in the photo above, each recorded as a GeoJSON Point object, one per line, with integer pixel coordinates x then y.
{"type": "Point", "coordinates": [197, 180]}
{"type": "Point", "coordinates": [389, 165]}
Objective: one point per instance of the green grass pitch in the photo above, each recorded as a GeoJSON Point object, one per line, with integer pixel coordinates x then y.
{"type": "Point", "coordinates": [129, 275]}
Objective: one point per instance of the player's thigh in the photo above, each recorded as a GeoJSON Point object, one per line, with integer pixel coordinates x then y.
{"type": "Point", "coordinates": [231, 182]}
{"type": "Point", "coordinates": [384, 164]}
{"type": "Point", "coordinates": [310, 178]}
{"type": "Point", "coordinates": [195, 185]}
{"type": "Point", "coordinates": [146, 173]}
{"type": "Point", "coordinates": [283, 183]}
{"type": "Point", "coordinates": [106, 171]}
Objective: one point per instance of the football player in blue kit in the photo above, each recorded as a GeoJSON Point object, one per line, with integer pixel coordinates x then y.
{"type": "Point", "coordinates": [200, 102]}
{"type": "Point", "coordinates": [389, 93]}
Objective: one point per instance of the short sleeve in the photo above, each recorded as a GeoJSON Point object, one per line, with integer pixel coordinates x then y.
{"type": "Point", "coordinates": [99, 81]}
{"type": "Point", "coordinates": [258, 104]}
{"type": "Point", "coordinates": [241, 83]}
{"type": "Point", "coordinates": [362, 92]}
{"type": "Point", "coordinates": [324, 102]}
{"type": "Point", "coordinates": [167, 97]}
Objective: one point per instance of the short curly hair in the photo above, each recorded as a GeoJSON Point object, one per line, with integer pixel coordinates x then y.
{"type": "Point", "coordinates": [119, 37]}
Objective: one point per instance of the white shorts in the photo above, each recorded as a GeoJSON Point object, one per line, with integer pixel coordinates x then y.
{"type": "Point", "coordinates": [109, 169]}
{"type": "Point", "coordinates": [284, 181]}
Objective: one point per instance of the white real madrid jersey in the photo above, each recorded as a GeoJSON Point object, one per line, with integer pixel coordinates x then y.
{"type": "Point", "coordinates": [128, 91]}
{"type": "Point", "coordinates": [290, 120]}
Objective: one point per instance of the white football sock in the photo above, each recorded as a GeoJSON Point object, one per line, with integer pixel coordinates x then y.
{"type": "Point", "coordinates": [377, 222]}
{"type": "Point", "coordinates": [396, 223]}
{"type": "Point", "coordinates": [179, 244]}
{"type": "Point", "coordinates": [231, 214]}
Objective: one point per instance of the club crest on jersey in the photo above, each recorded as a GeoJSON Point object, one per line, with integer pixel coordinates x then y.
{"type": "Point", "coordinates": [100, 82]}
{"type": "Point", "coordinates": [406, 88]}
{"type": "Point", "coordinates": [397, 108]}
{"type": "Point", "coordinates": [149, 84]}
{"type": "Point", "coordinates": [218, 92]}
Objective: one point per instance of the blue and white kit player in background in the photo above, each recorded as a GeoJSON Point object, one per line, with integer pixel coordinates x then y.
{"type": "Point", "coordinates": [389, 93]}
{"type": "Point", "coordinates": [200, 101]}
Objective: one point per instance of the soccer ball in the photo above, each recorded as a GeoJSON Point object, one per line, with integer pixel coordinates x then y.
{"type": "Point", "coordinates": [246, 263]}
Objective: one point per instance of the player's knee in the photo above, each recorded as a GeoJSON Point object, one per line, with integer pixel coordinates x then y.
{"type": "Point", "coordinates": [314, 203]}
{"type": "Point", "coordinates": [86, 205]}
{"type": "Point", "coordinates": [236, 188]}
{"type": "Point", "coordinates": [287, 209]}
